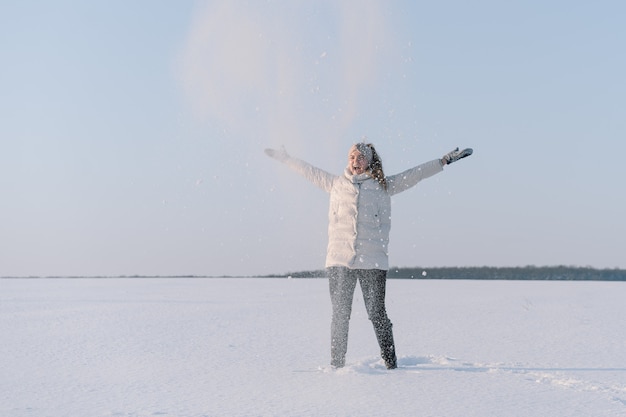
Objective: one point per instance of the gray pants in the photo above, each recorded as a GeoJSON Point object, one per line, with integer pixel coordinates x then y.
{"type": "Point", "coordinates": [342, 282]}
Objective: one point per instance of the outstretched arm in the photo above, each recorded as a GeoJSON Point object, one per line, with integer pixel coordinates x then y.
{"type": "Point", "coordinates": [317, 176]}
{"type": "Point", "coordinates": [410, 177]}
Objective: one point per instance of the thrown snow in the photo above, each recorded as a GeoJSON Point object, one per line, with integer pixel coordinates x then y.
{"type": "Point", "coordinates": [259, 347]}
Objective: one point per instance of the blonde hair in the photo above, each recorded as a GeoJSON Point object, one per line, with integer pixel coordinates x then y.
{"type": "Point", "coordinates": [376, 167]}
{"type": "Point", "coordinates": [375, 163]}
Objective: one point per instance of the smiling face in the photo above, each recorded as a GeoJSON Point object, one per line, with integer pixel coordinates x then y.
{"type": "Point", "coordinates": [357, 162]}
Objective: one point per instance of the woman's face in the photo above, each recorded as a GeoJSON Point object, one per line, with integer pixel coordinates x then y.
{"type": "Point", "coordinates": [357, 163]}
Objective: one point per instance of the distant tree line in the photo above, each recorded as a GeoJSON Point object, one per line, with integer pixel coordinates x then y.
{"type": "Point", "coordinates": [536, 273]}
{"type": "Point", "coordinates": [525, 273]}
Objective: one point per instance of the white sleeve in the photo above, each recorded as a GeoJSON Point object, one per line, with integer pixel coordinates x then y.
{"type": "Point", "coordinates": [317, 176]}
{"type": "Point", "coordinates": [409, 178]}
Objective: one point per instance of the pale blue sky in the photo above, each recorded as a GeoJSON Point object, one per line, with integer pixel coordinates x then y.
{"type": "Point", "coordinates": [132, 133]}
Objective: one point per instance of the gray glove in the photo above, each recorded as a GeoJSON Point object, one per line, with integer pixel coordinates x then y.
{"type": "Point", "coordinates": [278, 154]}
{"type": "Point", "coordinates": [455, 155]}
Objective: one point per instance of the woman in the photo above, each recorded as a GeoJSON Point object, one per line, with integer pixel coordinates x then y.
{"type": "Point", "coordinates": [358, 235]}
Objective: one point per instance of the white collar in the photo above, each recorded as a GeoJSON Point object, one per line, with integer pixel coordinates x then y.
{"type": "Point", "coordinates": [356, 178]}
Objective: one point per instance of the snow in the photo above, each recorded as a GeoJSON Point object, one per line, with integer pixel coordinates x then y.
{"type": "Point", "coordinates": [260, 347]}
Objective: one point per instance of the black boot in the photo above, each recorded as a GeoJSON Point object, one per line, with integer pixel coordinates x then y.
{"type": "Point", "coordinates": [388, 354]}
{"type": "Point", "coordinates": [384, 334]}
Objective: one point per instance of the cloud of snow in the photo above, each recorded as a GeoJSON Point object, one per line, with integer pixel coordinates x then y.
{"type": "Point", "coordinates": [283, 69]}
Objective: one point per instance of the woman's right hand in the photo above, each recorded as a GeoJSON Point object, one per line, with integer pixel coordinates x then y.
{"type": "Point", "coordinates": [278, 154]}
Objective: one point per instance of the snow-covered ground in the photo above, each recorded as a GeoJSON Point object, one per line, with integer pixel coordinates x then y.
{"type": "Point", "coordinates": [260, 347]}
